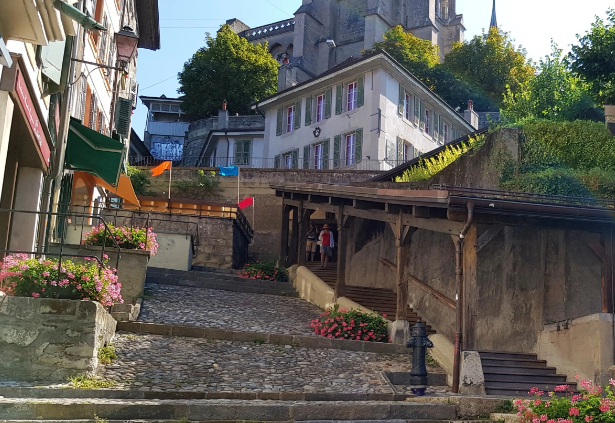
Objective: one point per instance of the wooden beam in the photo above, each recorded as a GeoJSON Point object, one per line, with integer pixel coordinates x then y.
{"type": "Point", "coordinates": [289, 202]}
{"type": "Point", "coordinates": [407, 235]}
{"type": "Point", "coordinates": [370, 214]}
{"type": "Point", "coordinates": [489, 234]}
{"type": "Point", "coordinates": [597, 248]}
{"type": "Point", "coordinates": [340, 285]}
{"type": "Point", "coordinates": [402, 283]}
{"type": "Point", "coordinates": [304, 216]}
{"type": "Point", "coordinates": [284, 235]}
{"type": "Point", "coordinates": [457, 215]}
{"type": "Point", "coordinates": [434, 225]}
{"type": "Point", "coordinates": [421, 211]}
{"type": "Point", "coordinates": [607, 274]}
{"type": "Point", "coordinates": [320, 207]}
{"type": "Point", "coordinates": [470, 290]}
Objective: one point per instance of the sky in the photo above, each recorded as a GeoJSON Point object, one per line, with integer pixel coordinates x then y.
{"type": "Point", "coordinates": [183, 24]}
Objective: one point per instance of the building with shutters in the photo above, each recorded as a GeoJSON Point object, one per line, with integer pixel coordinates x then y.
{"type": "Point", "coordinates": [65, 113]}
{"type": "Point", "coordinates": [365, 114]}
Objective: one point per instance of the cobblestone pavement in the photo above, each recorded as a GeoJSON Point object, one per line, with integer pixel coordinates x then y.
{"type": "Point", "coordinates": [227, 310]}
{"type": "Point", "coordinates": [150, 362]}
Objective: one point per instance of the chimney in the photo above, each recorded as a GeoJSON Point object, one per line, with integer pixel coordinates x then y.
{"type": "Point", "coordinates": [609, 116]}
{"type": "Point", "coordinates": [470, 115]}
{"type": "Point", "coordinates": [223, 116]}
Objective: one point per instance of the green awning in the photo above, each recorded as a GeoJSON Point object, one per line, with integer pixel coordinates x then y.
{"type": "Point", "coordinates": [93, 152]}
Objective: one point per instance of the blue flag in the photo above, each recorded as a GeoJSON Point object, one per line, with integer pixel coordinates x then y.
{"type": "Point", "coordinates": [229, 171]}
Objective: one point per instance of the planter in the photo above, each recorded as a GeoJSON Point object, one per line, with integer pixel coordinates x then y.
{"type": "Point", "coordinates": [50, 340]}
{"type": "Point", "coordinates": [609, 115]}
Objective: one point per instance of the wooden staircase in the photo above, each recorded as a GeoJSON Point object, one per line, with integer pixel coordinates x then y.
{"type": "Point", "coordinates": [382, 301]}
{"type": "Point", "coordinates": [514, 374]}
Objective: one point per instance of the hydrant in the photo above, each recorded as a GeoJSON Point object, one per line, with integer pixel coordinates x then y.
{"type": "Point", "coordinates": [419, 342]}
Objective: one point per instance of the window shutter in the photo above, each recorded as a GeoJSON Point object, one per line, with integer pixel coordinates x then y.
{"type": "Point", "coordinates": [123, 116]}
{"type": "Point", "coordinates": [93, 106]}
{"type": "Point", "coordinates": [276, 162]}
{"type": "Point", "coordinates": [295, 154]}
{"type": "Point", "coordinates": [436, 126]}
{"type": "Point", "coordinates": [441, 130]}
{"type": "Point", "coordinates": [308, 111]}
{"type": "Point", "coordinates": [400, 150]}
{"type": "Point", "coordinates": [52, 57]}
{"type": "Point", "coordinates": [82, 98]}
{"type": "Point", "coordinates": [337, 140]}
{"type": "Point", "coordinates": [298, 114]}
{"type": "Point", "coordinates": [361, 91]}
{"type": "Point", "coordinates": [402, 100]}
{"type": "Point", "coordinates": [238, 151]}
{"type": "Point", "coordinates": [338, 100]}
{"type": "Point", "coordinates": [278, 130]}
{"type": "Point", "coordinates": [306, 157]}
{"type": "Point", "coordinates": [422, 115]}
{"type": "Point", "coordinates": [417, 110]}
{"type": "Point", "coordinates": [325, 154]}
{"type": "Point", "coordinates": [358, 145]}
{"type": "Point", "coordinates": [328, 95]}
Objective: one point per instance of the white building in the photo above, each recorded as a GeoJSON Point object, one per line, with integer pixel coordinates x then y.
{"type": "Point", "coordinates": [165, 128]}
{"type": "Point", "coordinates": [366, 114]}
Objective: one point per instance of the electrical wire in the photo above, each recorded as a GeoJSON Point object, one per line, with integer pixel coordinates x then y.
{"type": "Point", "coordinates": [158, 83]}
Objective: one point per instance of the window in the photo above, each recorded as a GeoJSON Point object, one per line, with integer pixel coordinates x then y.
{"type": "Point", "coordinates": [320, 108]}
{"type": "Point", "coordinates": [417, 110]}
{"type": "Point", "coordinates": [352, 96]}
{"type": "Point", "coordinates": [407, 106]}
{"type": "Point", "coordinates": [242, 153]}
{"type": "Point", "coordinates": [290, 119]}
{"type": "Point", "coordinates": [288, 161]}
{"type": "Point", "coordinates": [155, 107]}
{"type": "Point", "coordinates": [318, 150]}
{"type": "Point", "coordinates": [408, 152]}
{"type": "Point", "coordinates": [350, 149]}
{"type": "Point", "coordinates": [427, 121]}
{"type": "Point", "coordinates": [445, 134]}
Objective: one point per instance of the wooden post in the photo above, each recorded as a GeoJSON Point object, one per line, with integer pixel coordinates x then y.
{"type": "Point", "coordinates": [304, 222]}
{"type": "Point", "coordinates": [607, 274]}
{"type": "Point", "coordinates": [340, 285]}
{"type": "Point", "coordinates": [294, 240]}
{"type": "Point", "coordinates": [402, 283]}
{"type": "Point", "coordinates": [470, 290]}
{"type": "Point", "coordinates": [284, 237]}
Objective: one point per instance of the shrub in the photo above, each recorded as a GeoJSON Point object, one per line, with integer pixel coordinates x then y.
{"type": "Point", "coordinates": [23, 276]}
{"type": "Point", "coordinates": [353, 324]}
{"type": "Point", "coordinates": [130, 238]}
{"type": "Point", "coordinates": [562, 405]}
{"type": "Point", "coordinates": [107, 354]}
{"type": "Point", "coordinates": [266, 270]}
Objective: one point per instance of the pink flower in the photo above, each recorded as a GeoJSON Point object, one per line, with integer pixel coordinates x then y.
{"type": "Point", "coordinates": [537, 402]}
{"type": "Point", "coordinates": [544, 418]}
{"type": "Point", "coordinates": [561, 388]}
{"type": "Point", "coordinates": [36, 294]}
{"type": "Point", "coordinates": [574, 411]}
{"type": "Point", "coordinates": [589, 418]}
{"type": "Point", "coordinates": [604, 408]}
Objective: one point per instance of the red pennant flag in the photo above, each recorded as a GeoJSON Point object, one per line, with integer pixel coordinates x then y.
{"type": "Point", "coordinates": [246, 203]}
{"type": "Point", "coordinates": [159, 170]}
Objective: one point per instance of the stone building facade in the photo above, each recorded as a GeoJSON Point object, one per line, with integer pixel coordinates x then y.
{"type": "Point", "coordinates": [325, 33]}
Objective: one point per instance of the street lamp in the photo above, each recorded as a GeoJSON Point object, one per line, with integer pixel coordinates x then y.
{"type": "Point", "coordinates": [126, 42]}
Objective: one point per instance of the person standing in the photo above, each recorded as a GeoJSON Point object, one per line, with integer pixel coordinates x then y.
{"type": "Point", "coordinates": [326, 246]}
{"type": "Point", "coordinates": [312, 239]}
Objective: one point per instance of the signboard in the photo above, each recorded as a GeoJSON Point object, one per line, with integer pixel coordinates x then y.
{"type": "Point", "coordinates": [167, 147]}
{"type": "Point", "coordinates": [31, 116]}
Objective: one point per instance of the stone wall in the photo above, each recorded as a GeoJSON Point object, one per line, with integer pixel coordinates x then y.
{"type": "Point", "coordinates": [50, 340]}
{"type": "Point", "coordinates": [266, 217]}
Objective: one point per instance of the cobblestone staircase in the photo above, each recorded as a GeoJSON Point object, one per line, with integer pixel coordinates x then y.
{"type": "Point", "coordinates": [383, 301]}
{"type": "Point", "coordinates": [514, 374]}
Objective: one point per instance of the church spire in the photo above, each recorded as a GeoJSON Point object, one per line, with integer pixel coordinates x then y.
{"type": "Point", "coordinates": [494, 19]}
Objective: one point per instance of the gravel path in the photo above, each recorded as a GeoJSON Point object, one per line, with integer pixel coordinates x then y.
{"type": "Point", "coordinates": [152, 362]}
{"type": "Point", "coordinates": [227, 310]}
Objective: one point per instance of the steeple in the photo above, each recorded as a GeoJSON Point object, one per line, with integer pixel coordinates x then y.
{"type": "Point", "coordinates": [494, 19]}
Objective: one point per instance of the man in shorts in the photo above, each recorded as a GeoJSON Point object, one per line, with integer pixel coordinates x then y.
{"type": "Point", "coordinates": [312, 239]}
{"type": "Point", "coordinates": [326, 243]}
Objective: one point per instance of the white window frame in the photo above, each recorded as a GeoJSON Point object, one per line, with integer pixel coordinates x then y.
{"type": "Point", "coordinates": [445, 136]}
{"type": "Point", "coordinates": [318, 156]}
{"type": "Point", "coordinates": [427, 122]}
{"type": "Point", "coordinates": [406, 152]}
{"type": "Point", "coordinates": [288, 161]}
{"type": "Point", "coordinates": [407, 106]}
{"type": "Point", "coordinates": [352, 91]}
{"type": "Point", "coordinates": [350, 144]}
{"type": "Point", "coordinates": [417, 110]}
{"type": "Point", "coordinates": [290, 118]}
{"type": "Point", "coordinates": [320, 107]}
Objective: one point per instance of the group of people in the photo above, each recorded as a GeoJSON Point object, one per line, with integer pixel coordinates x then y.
{"type": "Point", "coordinates": [324, 240]}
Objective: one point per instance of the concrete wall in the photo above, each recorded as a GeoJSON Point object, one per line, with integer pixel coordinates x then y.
{"type": "Point", "coordinates": [49, 340]}
{"type": "Point", "coordinates": [174, 252]}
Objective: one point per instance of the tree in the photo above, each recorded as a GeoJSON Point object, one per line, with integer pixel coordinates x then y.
{"type": "Point", "coordinates": [227, 68]}
{"type": "Point", "coordinates": [422, 59]}
{"type": "Point", "coordinates": [594, 59]}
{"type": "Point", "coordinates": [492, 63]}
{"type": "Point", "coordinates": [555, 93]}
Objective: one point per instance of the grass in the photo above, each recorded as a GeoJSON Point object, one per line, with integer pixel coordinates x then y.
{"type": "Point", "coordinates": [107, 354]}
{"type": "Point", "coordinates": [147, 295]}
{"type": "Point", "coordinates": [99, 420]}
{"type": "Point", "coordinates": [505, 407]}
{"type": "Point", "coordinates": [431, 361]}
{"type": "Point", "coordinates": [90, 382]}
{"type": "Point", "coordinates": [259, 341]}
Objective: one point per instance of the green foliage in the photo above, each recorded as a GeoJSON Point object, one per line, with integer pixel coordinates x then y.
{"type": "Point", "coordinates": [351, 324]}
{"type": "Point", "coordinates": [139, 179]}
{"type": "Point", "coordinates": [259, 341]}
{"type": "Point", "coordinates": [427, 168]}
{"type": "Point", "coordinates": [554, 181]}
{"type": "Point", "coordinates": [594, 60]}
{"type": "Point", "coordinates": [227, 68]}
{"type": "Point", "coordinates": [206, 185]}
{"type": "Point", "coordinates": [107, 354]}
{"type": "Point", "coordinates": [554, 94]}
{"type": "Point", "coordinates": [506, 407]}
{"type": "Point", "coordinates": [407, 48]}
{"type": "Point", "coordinates": [90, 382]}
{"type": "Point", "coordinates": [492, 63]}
{"type": "Point", "coordinates": [267, 270]}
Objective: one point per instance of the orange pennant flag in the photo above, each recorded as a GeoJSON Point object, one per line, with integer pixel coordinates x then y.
{"type": "Point", "coordinates": [159, 170]}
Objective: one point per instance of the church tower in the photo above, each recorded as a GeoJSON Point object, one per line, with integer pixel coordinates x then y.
{"type": "Point", "coordinates": [494, 19]}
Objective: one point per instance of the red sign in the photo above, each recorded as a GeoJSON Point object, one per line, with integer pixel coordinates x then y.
{"type": "Point", "coordinates": [32, 116]}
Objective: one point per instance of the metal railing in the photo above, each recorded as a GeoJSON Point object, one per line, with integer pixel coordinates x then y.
{"type": "Point", "coordinates": [273, 163]}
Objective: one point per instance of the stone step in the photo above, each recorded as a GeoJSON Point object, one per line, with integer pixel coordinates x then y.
{"type": "Point", "coordinates": [199, 276]}
{"type": "Point", "coordinates": [247, 288]}
{"type": "Point", "coordinates": [524, 387]}
{"type": "Point", "coordinates": [504, 355]}
{"type": "Point", "coordinates": [235, 421]}
{"type": "Point", "coordinates": [514, 362]}
{"type": "Point", "coordinates": [528, 378]}
{"type": "Point", "coordinates": [218, 410]}
{"type": "Point", "coordinates": [523, 370]}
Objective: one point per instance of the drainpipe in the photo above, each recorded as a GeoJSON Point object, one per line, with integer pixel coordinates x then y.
{"type": "Point", "coordinates": [459, 281]}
